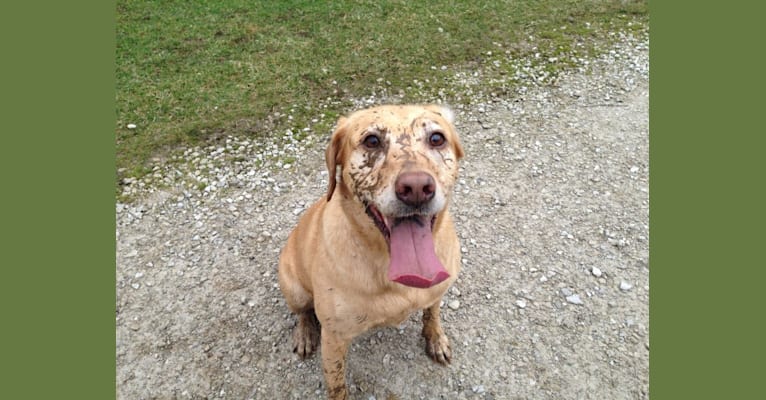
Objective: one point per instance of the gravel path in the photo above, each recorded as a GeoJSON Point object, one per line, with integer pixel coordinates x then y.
{"type": "Point", "coordinates": [552, 208]}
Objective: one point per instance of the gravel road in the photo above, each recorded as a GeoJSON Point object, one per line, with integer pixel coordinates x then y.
{"type": "Point", "coordinates": [552, 210]}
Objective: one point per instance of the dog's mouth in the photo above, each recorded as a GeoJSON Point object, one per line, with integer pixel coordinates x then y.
{"type": "Point", "coordinates": [413, 260]}
{"type": "Point", "coordinates": [383, 223]}
{"type": "Point", "coordinates": [379, 221]}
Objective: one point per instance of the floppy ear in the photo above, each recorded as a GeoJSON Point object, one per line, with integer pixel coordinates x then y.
{"type": "Point", "coordinates": [458, 148]}
{"type": "Point", "coordinates": [333, 155]}
{"type": "Point", "coordinates": [444, 111]}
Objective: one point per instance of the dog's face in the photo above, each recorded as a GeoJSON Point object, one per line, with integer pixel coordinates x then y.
{"type": "Point", "coordinates": [400, 163]}
{"type": "Point", "coordinates": [376, 146]}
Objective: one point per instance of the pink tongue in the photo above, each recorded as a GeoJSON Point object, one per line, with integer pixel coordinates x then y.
{"type": "Point", "coordinates": [413, 261]}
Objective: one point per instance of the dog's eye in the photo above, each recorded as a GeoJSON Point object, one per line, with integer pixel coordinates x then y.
{"type": "Point", "coordinates": [371, 142]}
{"type": "Point", "coordinates": [436, 139]}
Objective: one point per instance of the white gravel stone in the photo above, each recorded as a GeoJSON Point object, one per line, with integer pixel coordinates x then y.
{"type": "Point", "coordinates": [454, 304]}
{"type": "Point", "coordinates": [625, 286]}
{"type": "Point", "coordinates": [521, 303]}
{"type": "Point", "coordinates": [596, 272]}
{"type": "Point", "coordinates": [574, 299]}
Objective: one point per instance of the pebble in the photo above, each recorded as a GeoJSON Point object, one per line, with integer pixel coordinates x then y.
{"type": "Point", "coordinates": [596, 272]}
{"type": "Point", "coordinates": [574, 299]}
{"type": "Point", "coordinates": [566, 292]}
{"type": "Point", "coordinates": [521, 303]}
{"type": "Point", "coordinates": [454, 304]}
{"type": "Point", "coordinates": [131, 126]}
{"type": "Point", "coordinates": [625, 286]}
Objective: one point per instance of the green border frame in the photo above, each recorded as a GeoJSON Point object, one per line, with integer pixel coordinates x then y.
{"type": "Point", "coordinates": [707, 200]}
{"type": "Point", "coordinates": [57, 289]}
{"type": "Point", "coordinates": [57, 204]}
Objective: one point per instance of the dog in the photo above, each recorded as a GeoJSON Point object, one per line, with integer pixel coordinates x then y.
{"type": "Point", "coordinates": [381, 243]}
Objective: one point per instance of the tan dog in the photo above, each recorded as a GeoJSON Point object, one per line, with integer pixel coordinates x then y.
{"type": "Point", "coordinates": [382, 244]}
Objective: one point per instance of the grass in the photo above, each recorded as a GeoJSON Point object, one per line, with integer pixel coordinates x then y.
{"type": "Point", "coordinates": [190, 72]}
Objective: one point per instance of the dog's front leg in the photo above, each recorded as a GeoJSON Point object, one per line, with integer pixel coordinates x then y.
{"type": "Point", "coordinates": [334, 349]}
{"type": "Point", "coordinates": [437, 344]}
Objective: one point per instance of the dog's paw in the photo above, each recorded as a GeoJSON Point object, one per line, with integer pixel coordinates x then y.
{"type": "Point", "coordinates": [306, 335]}
{"type": "Point", "coordinates": [439, 349]}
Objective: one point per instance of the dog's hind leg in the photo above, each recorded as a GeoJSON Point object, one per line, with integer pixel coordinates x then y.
{"type": "Point", "coordinates": [437, 344]}
{"type": "Point", "coordinates": [306, 334]}
{"type": "Point", "coordinates": [301, 303]}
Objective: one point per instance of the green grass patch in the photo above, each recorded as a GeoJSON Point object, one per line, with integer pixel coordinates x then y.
{"type": "Point", "coordinates": [191, 72]}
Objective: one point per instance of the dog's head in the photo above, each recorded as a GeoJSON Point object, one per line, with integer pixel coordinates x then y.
{"type": "Point", "coordinates": [400, 163]}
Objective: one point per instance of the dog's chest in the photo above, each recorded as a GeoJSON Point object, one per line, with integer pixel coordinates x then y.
{"type": "Point", "coordinates": [389, 309]}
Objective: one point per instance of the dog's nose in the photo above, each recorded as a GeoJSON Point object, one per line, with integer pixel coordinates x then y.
{"type": "Point", "coordinates": [415, 188]}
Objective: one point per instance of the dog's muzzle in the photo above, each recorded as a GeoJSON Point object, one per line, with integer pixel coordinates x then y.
{"type": "Point", "coordinates": [413, 260]}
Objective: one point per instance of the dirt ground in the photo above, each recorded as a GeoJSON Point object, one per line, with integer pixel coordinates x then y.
{"type": "Point", "coordinates": [552, 210]}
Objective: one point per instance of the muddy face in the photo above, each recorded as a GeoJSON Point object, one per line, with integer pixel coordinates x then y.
{"type": "Point", "coordinates": [400, 164]}
{"type": "Point", "coordinates": [384, 143]}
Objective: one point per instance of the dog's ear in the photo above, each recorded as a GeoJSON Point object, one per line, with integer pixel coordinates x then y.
{"type": "Point", "coordinates": [458, 148]}
{"type": "Point", "coordinates": [449, 116]}
{"type": "Point", "coordinates": [444, 111]}
{"type": "Point", "coordinates": [334, 156]}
